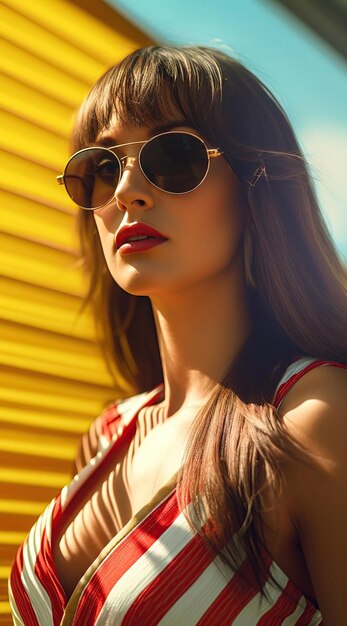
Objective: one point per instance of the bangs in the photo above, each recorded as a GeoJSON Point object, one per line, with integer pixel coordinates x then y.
{"type": "Point", "coordinates": [149, 86]}
{"type": "Point", "coordinates": [215, 94]}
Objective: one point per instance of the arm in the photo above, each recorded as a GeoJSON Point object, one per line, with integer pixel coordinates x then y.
{"type": "Point", "coordinates": [315, 414]}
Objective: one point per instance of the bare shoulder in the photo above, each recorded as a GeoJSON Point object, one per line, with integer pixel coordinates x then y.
{"type": "Point", "coordinates": [315, 414]}
{"type": "Point", "coordinates": [326, 380]}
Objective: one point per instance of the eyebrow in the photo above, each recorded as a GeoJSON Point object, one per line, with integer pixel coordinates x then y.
{"type": "Point", "coordinates": [108, 140]}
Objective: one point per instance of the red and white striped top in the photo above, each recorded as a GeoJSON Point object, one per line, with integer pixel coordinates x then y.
{"type": "Point", "coordinates": [156, 570]}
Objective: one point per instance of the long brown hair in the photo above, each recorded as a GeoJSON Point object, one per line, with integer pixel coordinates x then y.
{"type": "Point", "coordinates": [296, 281]}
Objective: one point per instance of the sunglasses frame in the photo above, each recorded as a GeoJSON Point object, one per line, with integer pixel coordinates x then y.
{"type": "Point", "coordinates": [210, 152]}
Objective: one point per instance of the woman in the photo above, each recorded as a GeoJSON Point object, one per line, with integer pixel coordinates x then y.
{"type": "Point", "coordinates": [216, 494]}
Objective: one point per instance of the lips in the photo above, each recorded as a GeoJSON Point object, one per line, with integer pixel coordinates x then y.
{"type": "Point", "coordinates": [127, 234]}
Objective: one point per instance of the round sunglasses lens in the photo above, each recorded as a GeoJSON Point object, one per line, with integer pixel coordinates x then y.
{"type": "Point", "coordinates": [91, 177]}
{"type": "Point", "coordinates": [175, 162]}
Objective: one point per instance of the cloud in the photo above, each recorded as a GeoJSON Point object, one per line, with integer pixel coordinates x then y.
{"type": "Point", "coordinates": [325, 147]}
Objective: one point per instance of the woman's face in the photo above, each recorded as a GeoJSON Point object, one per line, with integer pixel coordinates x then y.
{"type": "Point", "coordinates": [203, 229]}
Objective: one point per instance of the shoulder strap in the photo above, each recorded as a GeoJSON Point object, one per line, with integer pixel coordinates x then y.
{"type": "Point", "coordinates": [294, 372]}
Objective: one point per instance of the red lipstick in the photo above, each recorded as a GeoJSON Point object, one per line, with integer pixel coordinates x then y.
{"type": "Point", "coordinates": [138, 238]}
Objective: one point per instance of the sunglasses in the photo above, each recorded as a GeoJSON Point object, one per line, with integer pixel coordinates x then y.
{"type": "Point", "coordinates": [176, 162]}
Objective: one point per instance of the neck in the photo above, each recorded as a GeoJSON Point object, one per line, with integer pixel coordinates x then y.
{"type": "Point", "coordinates": [200, 331]}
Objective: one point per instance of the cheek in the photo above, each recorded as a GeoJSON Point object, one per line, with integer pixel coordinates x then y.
{"type": "Point", "coordinates": [107, 221]}
{"type": "Point", "coordinates": [220, 221]}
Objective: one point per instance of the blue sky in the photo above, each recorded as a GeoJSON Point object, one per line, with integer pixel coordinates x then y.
{"type": "Point", "coordinates": [308, 78]}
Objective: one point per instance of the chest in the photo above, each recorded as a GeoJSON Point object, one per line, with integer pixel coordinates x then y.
{"type": "Point", "coordinates": [156, 459]}
{"type": "Point", "coordinates": [153, 457]}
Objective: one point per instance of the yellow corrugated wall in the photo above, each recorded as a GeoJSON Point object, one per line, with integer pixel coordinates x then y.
{"type": "Point", "coordinates": [53, 380]}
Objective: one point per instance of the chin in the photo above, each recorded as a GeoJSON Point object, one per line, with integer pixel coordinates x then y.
{"type": "Point", "coordinates": [135, 287]}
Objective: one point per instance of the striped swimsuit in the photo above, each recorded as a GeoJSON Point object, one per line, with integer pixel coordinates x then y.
{"type": "Point", "coordinates": [156, 570]}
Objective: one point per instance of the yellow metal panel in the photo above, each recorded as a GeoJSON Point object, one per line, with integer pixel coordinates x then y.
{"type": "Point", "coordinates": [20, 348]}
{"type": "Point", "coordinates": [31, 142]}
{"type": "Point", "coordinates": [33, 477]}
{"type": "Point", "coordinates": [25, 34]}
{"type": "Point", "coordinates": [79, 27]}
{"type": "Point", "coordinates": [29, 418]}
{"type": "Point", "coordinates": [4, 610]}
{"type": "Point", "coordinates": [24, 388]}
{"type": "Point", "coordinates": [38, 74]}
{"type": "Point", "coordinates": [44, 308]}
{"type": "Point", "coordinates": [21, 508]}
{"type": "Point", "coordinates": [46, 347]}
{"type": "Point", "coordinates": [30, 446]}
{"type": "Point", "coordinates": [40, 265]}
{"type": "Point", "coordinates": [53, 379]}
{"type": "Point", "coordinates": [4, 570]}
{"type": "Point", "coordinates": [11, 537]}
{"type": "Point", "coordinates": [39, 109]}
{"type": "Point", "coordinates": [20, 216]}
{"type": "Point", "coordinates": [37, 182]}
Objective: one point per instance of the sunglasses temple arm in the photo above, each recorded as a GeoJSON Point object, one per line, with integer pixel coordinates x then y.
{"type": "Point", "coordinates": [214, 152]}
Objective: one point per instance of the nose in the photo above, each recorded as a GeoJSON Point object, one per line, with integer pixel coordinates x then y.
{"type": "Point", "coordinates": [133, 190]}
